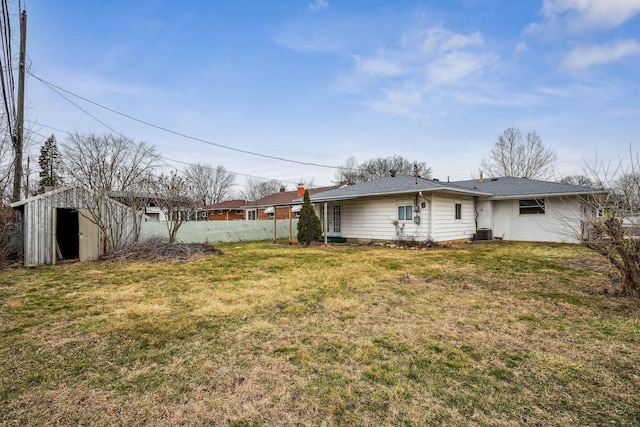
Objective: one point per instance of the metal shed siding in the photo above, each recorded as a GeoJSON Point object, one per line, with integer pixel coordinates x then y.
{"type": "Point", "coordinates": [39, 221]}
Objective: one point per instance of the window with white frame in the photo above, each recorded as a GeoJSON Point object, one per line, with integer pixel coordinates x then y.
{"type": "Point", "coordinates": [458, 210]}
{"type": "Point", "coordinates": [251, 215]}
{"type": "Point", "coordinates": [531, 206]}
{"type": "Point", "coordinates": [405, 213]}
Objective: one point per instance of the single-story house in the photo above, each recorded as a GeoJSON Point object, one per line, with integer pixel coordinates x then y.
{"type": "Point", "coordinates": [279, 205]}
{"type": "Point", "coordinates": [229, 210]}
{"type": "Point", "coordinates": [64, 224]}
{"type": "Point", "coordinates": [404, 207]}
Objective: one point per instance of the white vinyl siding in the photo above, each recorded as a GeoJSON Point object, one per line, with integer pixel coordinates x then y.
{"type": "Point", "coordinates": [372, 219]}
{"type": "Point", "coordinates": [444, 225]}
{"type": "Point", "coordinates": [560, 223]}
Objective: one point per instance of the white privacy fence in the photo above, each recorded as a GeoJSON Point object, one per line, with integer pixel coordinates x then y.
{"type": "Point", "coordinates": [223, 231]}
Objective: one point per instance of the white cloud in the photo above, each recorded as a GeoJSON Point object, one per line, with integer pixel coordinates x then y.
{"type": "Point", "coordinates": [580, 15]}
{"type": "Point", "coordinates": [586, 56]}
{"type": "Point", "coordinates": [378, 67]}
{"type": "Point", "coordinates": [318, 5]}
{"type": "Point", "coordinates": [439, 39]}
{"type": "Point", "coordinates": [454, 67]}
{"type": "Point", "coordinates": [520, 48]}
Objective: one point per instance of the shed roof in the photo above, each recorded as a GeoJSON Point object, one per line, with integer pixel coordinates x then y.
{"type": "Point", "coordinates": [76, 187]}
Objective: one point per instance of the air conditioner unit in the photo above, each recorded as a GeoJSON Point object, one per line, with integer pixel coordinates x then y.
{"type": "Point", "coordinates": [484, 234]}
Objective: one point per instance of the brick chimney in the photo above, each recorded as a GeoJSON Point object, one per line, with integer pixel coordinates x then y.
{"type": "Point", "coordinates": [300, 190]}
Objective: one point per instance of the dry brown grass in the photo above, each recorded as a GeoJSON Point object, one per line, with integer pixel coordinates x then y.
{"type": "Point", "coordinates": [507, 334]}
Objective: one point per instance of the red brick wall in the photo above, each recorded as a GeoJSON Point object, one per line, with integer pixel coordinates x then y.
{"type": "Point", "coordinates": [281, 213]}
{"type": "Point", "coordinates": [226, 215]}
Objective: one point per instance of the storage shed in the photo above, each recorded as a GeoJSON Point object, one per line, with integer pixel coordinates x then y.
{"type": "Point", "coordinates": [64, 224]}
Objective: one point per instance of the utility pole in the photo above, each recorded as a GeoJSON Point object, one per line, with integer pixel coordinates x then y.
{"type": "Point", "coordinates": [18, 138]}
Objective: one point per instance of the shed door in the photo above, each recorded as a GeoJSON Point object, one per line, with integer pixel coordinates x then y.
{"type": "Point", "coordinates": [88, 236]}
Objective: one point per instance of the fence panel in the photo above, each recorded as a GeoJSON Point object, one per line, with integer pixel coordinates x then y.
{"type": "Point", "coordinates": [223, 231]}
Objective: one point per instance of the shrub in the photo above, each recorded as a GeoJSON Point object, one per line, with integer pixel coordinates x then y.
{"type": "Point", "coordinates": [309, 228]}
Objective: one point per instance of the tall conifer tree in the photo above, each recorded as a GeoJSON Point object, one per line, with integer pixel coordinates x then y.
{"type": "Point", "coordinates": [309, 228]}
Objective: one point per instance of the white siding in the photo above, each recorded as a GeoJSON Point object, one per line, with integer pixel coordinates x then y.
{"type": "Point", "coordinates": [559, 223]}
{"type": "Point", "coordinates": [484, 210]}
{"type": "Point", "coordinates": [445, 226]}
{"type": "Point", "coordinates": [373, 219]}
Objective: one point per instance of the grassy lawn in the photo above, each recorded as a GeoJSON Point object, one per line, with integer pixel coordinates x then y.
{"type": "Point", "coordinates": [493, 334]}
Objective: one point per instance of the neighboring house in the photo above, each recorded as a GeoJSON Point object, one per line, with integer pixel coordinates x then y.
{"type": "Point", "coordinates": [59, 225]}
{"type": "Point", "coordinates": [405, 207]}
{"type": "Point", "coordinates": [279, 205]}
{"type": "Point", "coordinates": [145, 202]}
{"type": "Point", "coordinates": [230, 210]}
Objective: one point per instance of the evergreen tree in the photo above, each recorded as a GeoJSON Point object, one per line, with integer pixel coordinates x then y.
{"type": "Point", "coordinates": [309, 228]}
{"type": "Point", "coordinates": [50, 163]}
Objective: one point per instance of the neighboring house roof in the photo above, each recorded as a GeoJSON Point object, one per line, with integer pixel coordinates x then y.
{"type": "Point", "coordinates": [227, 205]}
{"type": "Point", "coordinates": [512, 187]}
{"type": "Point", "coordinates": [283, 198]}
{"type": "Point", "coordinates": [399, 184]}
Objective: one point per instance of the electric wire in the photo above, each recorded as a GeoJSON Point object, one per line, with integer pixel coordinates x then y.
{"type": "Point", "coordinates": [58, 89]}
{"type": "Point", "coordinates": [165, 159]}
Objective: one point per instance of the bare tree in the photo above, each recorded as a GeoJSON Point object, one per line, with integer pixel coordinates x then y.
{"type": "Point", "coordinates": [209, 185]}
{"type": "Point", "coordinates": [513, 155]}
{"type": "Point", "coordinates": [6, 168]}
{"type": "Point", "coordinates": [612, 226]}
{"type": "Point", "coordinates": [111, 165]}
{"type": "Point", "coordinates": [351, 172]}
{"type": "Point", "coordinates": [171, 195]}
{"type": "Point", "coordinates": [255, 189]}
{"type": "Point", "coordinates": [582, 180]}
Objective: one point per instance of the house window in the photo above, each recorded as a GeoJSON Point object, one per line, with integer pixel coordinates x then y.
{"type": "Point", "coordinates": [458, 210]}
{"type": "Point", "coordinates": [531, 206]}
{"type": "Point", "coordinates": [251, 215]}
{"type": "Point", "coordinates": [405, 213]}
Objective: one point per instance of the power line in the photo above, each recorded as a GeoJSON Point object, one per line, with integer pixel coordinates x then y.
{"type": "Point", "coordinates": [161, 157]}
{"type": "Point", "coordinates": [204, 141]}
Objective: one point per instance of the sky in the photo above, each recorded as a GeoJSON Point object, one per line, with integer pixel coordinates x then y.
{"type": "Point", "coordinates": [317, 81]}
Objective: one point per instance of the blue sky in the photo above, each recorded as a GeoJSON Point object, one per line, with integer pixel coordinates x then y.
{"type": "Point", "coordinates": [317, 81]}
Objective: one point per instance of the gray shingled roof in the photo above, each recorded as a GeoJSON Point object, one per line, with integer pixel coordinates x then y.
{"type": "Point", "coordinates": [400, 184]}
{"type": "Point", "coordinates": [509, 186]}
{"type": "Point", "coordinates": [504, 187]}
